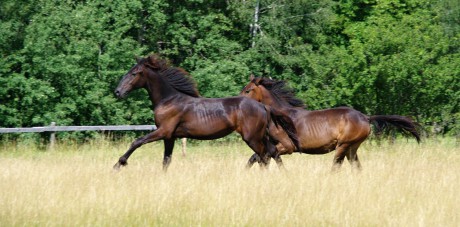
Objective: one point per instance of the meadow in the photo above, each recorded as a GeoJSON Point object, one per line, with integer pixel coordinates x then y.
{"type": "Point", "coordinates": [401, 184]}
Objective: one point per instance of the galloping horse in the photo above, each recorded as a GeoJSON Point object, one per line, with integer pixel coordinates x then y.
{"type": "Point", "coordinates": [181, 112]}
{"type": "Point", "coordinates": [319, 132]}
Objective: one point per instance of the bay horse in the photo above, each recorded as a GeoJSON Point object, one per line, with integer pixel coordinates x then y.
{"type": "Point", "coordinates": [321, 131]}
{"type": "Point", "coordinates": [180, 112]}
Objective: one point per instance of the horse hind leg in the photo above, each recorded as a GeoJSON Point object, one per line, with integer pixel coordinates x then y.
{"type": "Point", "coordinates": [352, 157]}
{"type": "Point", "coordinates": [339, 156]}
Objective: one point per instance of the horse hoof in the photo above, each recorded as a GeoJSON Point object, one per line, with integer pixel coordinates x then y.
{"type": "Point", "coordinates": [118, 165]}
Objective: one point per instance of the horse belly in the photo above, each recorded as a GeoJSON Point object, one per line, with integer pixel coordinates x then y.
{"type": "Point", "coordinates": [318, 150]}
{"type": "Point", "coordinates": [316, 136]}
{"type": "Point", "coordinates": [312, 145]}
{"type": "Point", "coordinates": [208, 131]}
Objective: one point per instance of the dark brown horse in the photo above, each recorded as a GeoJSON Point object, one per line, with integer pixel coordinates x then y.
{"type": "Point", "coordinates": [342, 129]}
{"type": "Point", "coordinates": [181, 112]}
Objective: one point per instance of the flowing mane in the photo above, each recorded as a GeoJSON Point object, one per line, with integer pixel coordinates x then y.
{"type": "Point", "coordinates": [177, 77]}
{"type": "Point", "coordinates": [280, 91]}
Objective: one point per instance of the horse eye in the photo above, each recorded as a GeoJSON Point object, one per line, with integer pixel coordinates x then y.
{"type": "Point", "coordinates": [247, 91]}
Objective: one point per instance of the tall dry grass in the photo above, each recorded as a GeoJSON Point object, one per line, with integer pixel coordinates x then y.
{"type": "Point", "coordinates": [402, 184]}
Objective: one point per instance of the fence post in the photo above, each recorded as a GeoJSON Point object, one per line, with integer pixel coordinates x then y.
{"type": "Point", "coordinates": [52, 137]}
{"type": "Point", "coordinates": [184, 146]}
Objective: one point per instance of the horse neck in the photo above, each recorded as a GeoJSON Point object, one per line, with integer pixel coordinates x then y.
{"type": "Point", "coordinates": [158, 89]}
{"type": "Point", "coordinates": [269, 99]}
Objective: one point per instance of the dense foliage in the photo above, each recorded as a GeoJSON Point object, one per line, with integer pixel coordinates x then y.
{"type": "Point", "coordinates": [61, 60]}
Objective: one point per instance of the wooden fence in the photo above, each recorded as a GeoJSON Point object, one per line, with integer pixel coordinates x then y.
{"type": "Point", "coordinates": [53, 129]}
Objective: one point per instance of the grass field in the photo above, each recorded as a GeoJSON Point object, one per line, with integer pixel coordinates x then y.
{"type": "Point", "coordinates": [402, 184]}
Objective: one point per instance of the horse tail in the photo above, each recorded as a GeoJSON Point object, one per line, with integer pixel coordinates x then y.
{"type": "Point", "coordinates": [405, 124]}
{"type": "Point", "coordinates": [283, 120]}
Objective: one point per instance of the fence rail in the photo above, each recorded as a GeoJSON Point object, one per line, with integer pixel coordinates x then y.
{"type": "Point", "coordinates": [80, 128]}
{"type": "Point", "coordinates": [53, 128]}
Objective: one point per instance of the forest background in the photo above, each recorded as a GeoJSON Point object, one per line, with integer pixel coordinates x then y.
{"type": "Point", "coordinates": [61, 60]}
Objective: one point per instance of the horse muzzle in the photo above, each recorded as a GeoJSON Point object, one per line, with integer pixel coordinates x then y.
{"type": "Point", "coordinates": [120, 94]}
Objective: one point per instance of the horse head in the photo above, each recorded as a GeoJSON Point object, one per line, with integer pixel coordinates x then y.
{"type": "Point", "coordinates": [252, 89]}
{"type": "Point", "coordinates": [136, 77]}
{"type": "Point", "coordinates": [132, 80]}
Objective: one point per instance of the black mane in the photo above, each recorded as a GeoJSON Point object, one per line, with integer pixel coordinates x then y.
{"type": "Point", "coordinates": [177, 77]}
{"type": "Point", "coordinates": [280, 91]}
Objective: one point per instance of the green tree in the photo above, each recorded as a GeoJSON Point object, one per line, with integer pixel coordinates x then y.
{"type": "Point", "coordinates": [61, 60]}
{"type": "Point", "coordinates": [80, 49]}
{"type": "Point", "coordinates": [21, 96]}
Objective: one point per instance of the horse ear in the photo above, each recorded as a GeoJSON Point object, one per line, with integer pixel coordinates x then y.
{"type": "Point", "coordinates": [251, 77]}
{"type": "Point", "coordinates": [138, 59]}
{"type": "Point", "coordinates": [257, 80]}
{"type": "Point", "coordinates": [151, 62]}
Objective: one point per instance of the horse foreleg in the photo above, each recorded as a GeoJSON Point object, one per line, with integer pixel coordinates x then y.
{"type": "Point", "coordinates": [259, 147]}
{"type": "Point", "coordinates": [279, 162]}
{"type": "Point", "coordinates": [169, 146]}
{"type": "Point", "coordinates": [266, 163]}
{"type": "Point", "coordinates": [151, 137]}
{"type": "Point", "coordinates": [254, 158]}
